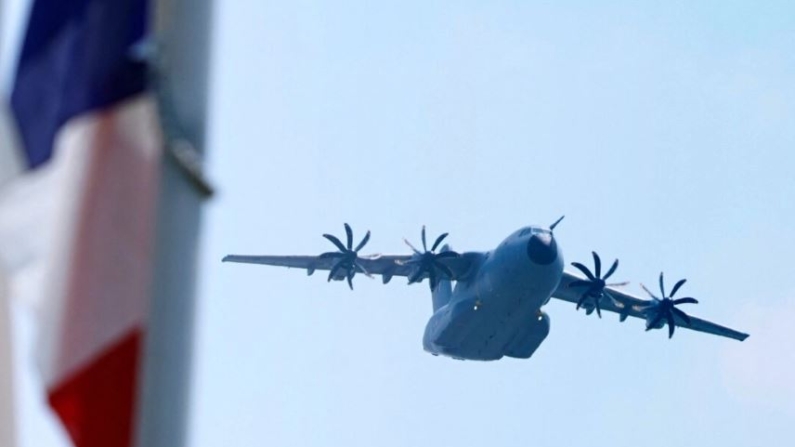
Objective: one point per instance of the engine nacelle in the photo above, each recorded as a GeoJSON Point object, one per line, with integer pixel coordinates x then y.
{"type": "Point", "coordinates": [650, 316]}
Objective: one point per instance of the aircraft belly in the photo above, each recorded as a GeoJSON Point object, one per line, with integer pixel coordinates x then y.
{"type": "Point", "coordinates": [449, 326]}
{"type": "Point", "coordinates": [461, 330]}
{"type": "Point", "coordinates": [529, 337]}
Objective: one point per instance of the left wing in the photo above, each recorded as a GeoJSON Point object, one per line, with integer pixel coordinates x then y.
{"type": "Point", "coordinates": [631, 306]}
{"type": "Point", "coordinates": [385, 265]}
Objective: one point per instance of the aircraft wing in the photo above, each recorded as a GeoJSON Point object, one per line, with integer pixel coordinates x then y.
{"type": "Point", "coordinates": [385, 265]}
{"type": "Point", "coordinates": [630, 306]}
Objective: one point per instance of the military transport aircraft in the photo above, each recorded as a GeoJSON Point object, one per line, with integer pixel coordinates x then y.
{"type": "Point", "coordinates": [494, 310]}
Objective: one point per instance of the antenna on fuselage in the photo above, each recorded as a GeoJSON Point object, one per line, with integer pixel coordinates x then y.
{"type": "Point", "coordinates": [552, 227]}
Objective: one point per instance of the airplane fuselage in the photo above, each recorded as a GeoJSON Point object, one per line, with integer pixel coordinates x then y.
{"type": "Point", "coordinates": [496, 310]}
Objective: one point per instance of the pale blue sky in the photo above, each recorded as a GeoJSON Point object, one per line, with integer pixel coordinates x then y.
{"type": "Point", "coordinates": [665, 133]}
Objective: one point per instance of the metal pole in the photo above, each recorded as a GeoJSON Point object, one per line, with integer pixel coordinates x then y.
{"type": "Point", "coordinates": [7, 428]}
{"type": "Point", "coordinates": [7, 425]}
{"type": "Point", "coordinates": [183, 38]}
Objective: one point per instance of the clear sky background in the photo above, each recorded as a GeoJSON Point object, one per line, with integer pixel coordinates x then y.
{"type": "Point", "coordinates": [664, 132]}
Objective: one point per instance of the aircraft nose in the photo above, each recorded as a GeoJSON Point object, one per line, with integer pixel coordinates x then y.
{"type": "Point", "coordinates": [542, 249]}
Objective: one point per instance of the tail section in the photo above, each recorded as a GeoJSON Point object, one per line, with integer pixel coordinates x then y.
{"type": "Point", "coordinates": [444, 289]}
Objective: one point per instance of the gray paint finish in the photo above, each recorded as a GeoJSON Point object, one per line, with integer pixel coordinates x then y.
{"type": "Point", "coordinates": [494, 310]}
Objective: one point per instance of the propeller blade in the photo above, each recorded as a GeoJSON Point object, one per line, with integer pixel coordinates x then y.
{"type": "Point", "coordinates": [334, 269]}
{"type": "Point", "coordinates": [415, 276]}
{"type": "Point", "coordinates": [349, 233]}
{"type": "Point", "coordinates": [612, 269]}
{"type": "Point", "coordinates": [581, 301]}
{"type": "Point", "coordinates": [671, 325]}
{"type": "Point", "coordinates": [350, 278]}
{"type": "Point", "coordinates": [653, 323]}
{"type": "Point", "coordinates": [685, 317]}
{"type": "Point", "coordinates": [412, 247]}
{"type": "Point", "coordinates": [427, 262]}
{"type": "Point", "coordinates": [598, 310]}
{"type": "Point", "coordinates": [335, 241]}
{"type": "Point", "coordinates": [616, 302]}
{"type": "Point", "coordinates": [364, 241]}
{"type": "Point", "coordinates": [662, 287]}
{"type": "Point", "coordinates": [438, 241]}
{"type": "Point", "coordinates": [686, 300]}
{"type": "Point", "coordinates": [584, 270]}
{"type": "Point", "coordinates": [361, 268]}
{"type": "Point", "coordinates": [677, 286]}
{"type": "Point", "coordinates": [597, 265]}
{"type": "Point", "coordinates": [432, 279]}
{"type": "Point", "coordinates": [649, 292]}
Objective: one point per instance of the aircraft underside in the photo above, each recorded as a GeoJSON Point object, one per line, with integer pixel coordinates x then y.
{"type": "Point", "coordinates": [476, 330]}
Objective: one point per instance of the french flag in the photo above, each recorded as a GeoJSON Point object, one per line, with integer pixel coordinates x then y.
{"type": "Point", "coordinates": [78, 207]}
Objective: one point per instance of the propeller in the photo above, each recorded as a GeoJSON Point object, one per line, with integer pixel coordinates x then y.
{"type": "Point", "coordinates": [665, 307]}
{"type": "Point", "coordinates": [347, 256]}
{"type": "Point", "coordinates": [428, 261]}
{"type": "Point", "coordinates": [595, 283]}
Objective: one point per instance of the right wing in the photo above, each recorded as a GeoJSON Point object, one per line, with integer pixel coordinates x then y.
{"type": "Point", "coordinates": [631, 306]}
{"type": "Point", "coordinates": [385, 265]}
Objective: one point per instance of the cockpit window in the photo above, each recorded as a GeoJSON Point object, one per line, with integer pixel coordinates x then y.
{"type": "Point", "coordinates": [532, 230]}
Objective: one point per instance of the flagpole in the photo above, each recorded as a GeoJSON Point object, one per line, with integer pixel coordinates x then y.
{"type": "Point", "coordinates": [182, 53]}
{"type": "Point", "coordinates": [7, 428]}
{"type": "Point", "coordinates": [7, 425]}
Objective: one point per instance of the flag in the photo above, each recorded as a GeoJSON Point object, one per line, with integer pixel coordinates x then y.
{"type": "Point", "coordinates": [77, 224]}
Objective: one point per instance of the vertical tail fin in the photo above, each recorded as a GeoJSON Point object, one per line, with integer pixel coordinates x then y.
{"type": "Point", "coordinates": [444, 289]}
